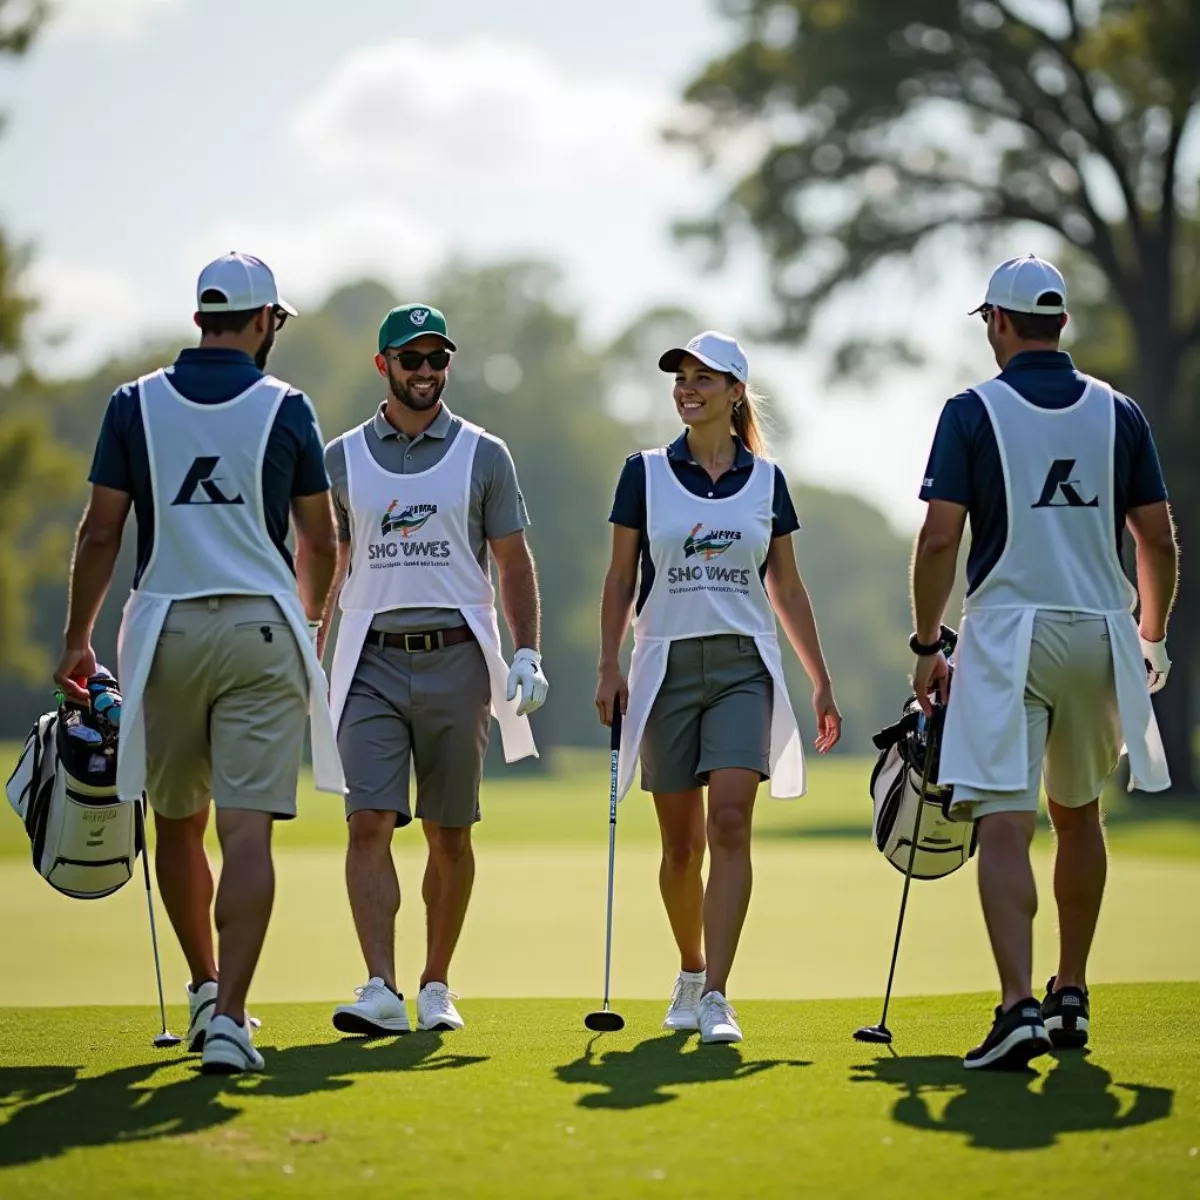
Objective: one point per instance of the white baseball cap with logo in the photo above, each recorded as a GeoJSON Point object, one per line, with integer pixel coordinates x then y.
{"type": "Point", "coordinates": [716, 350]}
{"type": "Point", "coordinates": [243, 283]}
{"type": "Point", "coordinates": [1027, 285]}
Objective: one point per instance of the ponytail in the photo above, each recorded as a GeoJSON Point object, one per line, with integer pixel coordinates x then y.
{"type": "Point", "coordinates": [749, 423]}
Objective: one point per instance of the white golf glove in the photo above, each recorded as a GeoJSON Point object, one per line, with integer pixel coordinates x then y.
{"type": "Point", "coordinates": [1158, 665]}
{"type": "Point", "coordinates": [526, 674]}
{"type": "Point", "coordinates": [314, 628]}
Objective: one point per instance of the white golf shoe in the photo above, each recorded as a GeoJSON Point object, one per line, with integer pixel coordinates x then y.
{"type": "Point", "coordinates": [435, 1008]}
{"type": "Point", "coordinates": [683, 1013]}
{"type": "Point", "coordinates": [201, 1003]}
{"type": "Point", "coordinates": [377, 1010]}
{"type": "Point", "coordinates": [718, 1021]}
{"type": "Point", "coordinates": [228, 1049]}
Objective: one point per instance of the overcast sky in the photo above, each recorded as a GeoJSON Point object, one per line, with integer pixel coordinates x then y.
{"type": "Point", "coordinates": [378, 137]}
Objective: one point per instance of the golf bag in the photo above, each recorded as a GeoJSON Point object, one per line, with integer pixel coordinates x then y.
{"type": "Point", "coordinates": [84, 841]}
{"type": "Point", "coordinates": [943, 845]}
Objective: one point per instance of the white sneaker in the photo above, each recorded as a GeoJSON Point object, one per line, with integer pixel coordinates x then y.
{"type": "Point", "coordinates": [228, 1049]}
{"type": "Point", "coordinates": [718, 1021]}
{"type": "Point", "coordinates": [435, 1008]}
{"type": "Point", "coordinates": [201, 1003]}
{"type": "Point", "coordinates": [377, 1010]}
{"type": "Point", "coordinates": [685, 1001]}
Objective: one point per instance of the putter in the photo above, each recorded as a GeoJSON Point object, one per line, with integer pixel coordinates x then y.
{"type": "Point", "coordinates": [880, 1034]}
{"type": "Point", "coordinates": [166, 1039]}
{"type": "Point", "coordinates": [605, 1020]}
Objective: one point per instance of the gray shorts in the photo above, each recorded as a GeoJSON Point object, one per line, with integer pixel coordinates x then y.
{"type": "Point", "coordinates": [431, 710]}
{"type": "Point", "coordinates": [1071, 719]}
{"type": "Point", "coordinates": [226, 709]}
{"type": "Point", "coordinates": [712, 711]}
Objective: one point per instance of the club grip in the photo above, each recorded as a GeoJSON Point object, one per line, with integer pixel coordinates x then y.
{"type": "Point", "coordinates": [615, 731]}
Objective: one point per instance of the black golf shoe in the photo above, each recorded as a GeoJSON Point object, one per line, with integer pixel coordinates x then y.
{"type": "Point", "coordinates": [1017, 1036]}
{"type": "Point", "coordinates": [1066, 1013]}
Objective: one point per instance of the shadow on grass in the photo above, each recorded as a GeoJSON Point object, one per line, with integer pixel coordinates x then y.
{"type": "Point", "coordinates": [47, 1111]}
{"type": "Point", "coordinates": [998, 1110]}
{"type": "Point", "coordinates": [637, 1078]}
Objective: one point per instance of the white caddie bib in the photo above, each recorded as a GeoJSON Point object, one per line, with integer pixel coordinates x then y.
{"type": "Point", "coordinates": [210, 539]}
{"type": "Point", "coordinates": [411, 548]}
{"type": "Point", "coordinates": [1060, 554]}
{"type": "Point", "coordinates": [707, 555]}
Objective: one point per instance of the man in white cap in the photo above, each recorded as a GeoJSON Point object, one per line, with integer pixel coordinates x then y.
{"type": "Point", "coordinates": [217, 650]}
{"type": "Point", "coordinates": [1052, 677]}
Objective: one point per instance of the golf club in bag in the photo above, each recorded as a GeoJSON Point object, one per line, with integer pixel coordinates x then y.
{"type": "Point", "coordinates": [921, 738]}
{"type": "Point", "coordinates": [605, 1020]}
{"type": "Point", "coordinates": [83, 838]}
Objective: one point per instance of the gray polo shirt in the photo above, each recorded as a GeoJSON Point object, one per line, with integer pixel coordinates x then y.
{"type": "Point", "coordinates": [497, 508]}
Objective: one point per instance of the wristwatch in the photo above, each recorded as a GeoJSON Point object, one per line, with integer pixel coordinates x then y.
{"type": "Point", "coordinates": [923, 650]}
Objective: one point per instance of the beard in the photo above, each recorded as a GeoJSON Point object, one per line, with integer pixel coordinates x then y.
{"type": "Point", "coordinates": [415, 403]}
{"type": "Point", "coordinates": [264, 351]}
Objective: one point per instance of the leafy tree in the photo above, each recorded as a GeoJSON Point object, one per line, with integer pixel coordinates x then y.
{"type": "Point", "coordinates": [36, 472]}
{"type": "Point", "coordinates": [878, 126]}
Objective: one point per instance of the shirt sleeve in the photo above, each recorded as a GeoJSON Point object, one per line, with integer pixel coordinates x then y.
{"type": "Point", "coordinates": [784, 521]}
{"type": "Point", "coordinates": [1146, 482]}
{"type": "Point", "coordinates": [629, 503]}
{"type": "Point", "coordinates": [504, 511]}
{"type": "Point", "coordinates": [111, 463]}
{"type": "Point", "coordinates": [335, 466]}
{"type": "Point", "coordinates": [948, 471]}
{"type": "Point", "coordinates": [311, 477]}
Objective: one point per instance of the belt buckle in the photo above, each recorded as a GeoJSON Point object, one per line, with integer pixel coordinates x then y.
{"type": "Point", "coordinates": [418, 643]}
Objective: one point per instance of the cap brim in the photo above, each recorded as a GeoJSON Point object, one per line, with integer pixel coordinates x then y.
{"type": "Point", "coordinates": [671, 360]}
{"type": "Point", "coordinates": [287, 308]}
{"type": "Point", "coordinates": [419, 333]}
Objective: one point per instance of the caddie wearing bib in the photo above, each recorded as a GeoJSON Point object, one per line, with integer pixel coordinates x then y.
{"type": "Point", "coordinates": [421, 497]}
{"type": "Point", "coordinates": [1051, 675]}
{"type": "Point", "coordinates": [217, 657]}
{"type": "Point", "coordinates": [708, 521]}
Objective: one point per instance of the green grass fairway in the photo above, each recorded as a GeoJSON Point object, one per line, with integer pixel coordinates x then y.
{"type": "Point", "coordinates": [820, 924]}
{"type": "Point", "coordinates": [526, 1103]}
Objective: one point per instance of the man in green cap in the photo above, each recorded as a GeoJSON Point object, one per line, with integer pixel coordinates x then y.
{"type": "Point", "coordinates": [421, 497]}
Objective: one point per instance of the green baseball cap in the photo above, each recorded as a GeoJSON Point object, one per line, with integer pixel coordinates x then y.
{"type": "Point", "coordinates": [410, 321]}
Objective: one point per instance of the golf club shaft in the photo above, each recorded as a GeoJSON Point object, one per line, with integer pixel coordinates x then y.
{"type": "Point", "coordinates": [141, 820]}
{"type": "Point", "coordinates": [930, 749]}
{"type": "Point", "coordinates": [614, 783]}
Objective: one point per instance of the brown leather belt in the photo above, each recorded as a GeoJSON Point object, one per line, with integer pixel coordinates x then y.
{"type": "Point", "coordinates": [420, 643]}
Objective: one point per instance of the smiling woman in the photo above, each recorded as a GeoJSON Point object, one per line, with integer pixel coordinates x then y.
{"type": "Point", "coordinates": [710, 520]}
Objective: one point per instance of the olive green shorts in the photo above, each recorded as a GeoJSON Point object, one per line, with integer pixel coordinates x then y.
{"type": "Point", "coordinates": [1072, 725]}
{"type": "Point", "coordinates": [713, 711]}
{"type": "Point", "coordinates": [226, 709]}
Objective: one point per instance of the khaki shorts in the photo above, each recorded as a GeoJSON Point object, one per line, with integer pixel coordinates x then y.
{"type": "Point", "coordinates": [226, 709]}
{"type": "Point", "coordinates": [428, 712]}
{"type": "Point", "coordinates": [1071, 719]}
{"type": "Point", "coordinates": [713, 711]}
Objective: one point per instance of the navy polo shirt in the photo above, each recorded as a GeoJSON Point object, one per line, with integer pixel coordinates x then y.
{"type": "Point", "coordinates": [964, 463]}
{"type": "Point", "coordinates": [294, 462]}
{"type": "Point", "coordinates": [629, 505]}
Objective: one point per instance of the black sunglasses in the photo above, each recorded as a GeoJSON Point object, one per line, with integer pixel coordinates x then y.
{"type": "Point", "coordinates": [411, 360]}
{"type": "Point", "coordinates": [280, 315]}
{"type": "Point", "coordinates": [985, 312]}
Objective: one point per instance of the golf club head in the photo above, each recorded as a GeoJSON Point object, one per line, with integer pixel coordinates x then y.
{"type": "Point", "coordinates": [604, 1021]}
{"type": "Point", "coordinates": [879, 1035]}
{"type": "Point", "coordinates": [166, 1040]}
